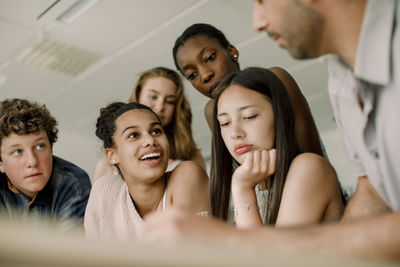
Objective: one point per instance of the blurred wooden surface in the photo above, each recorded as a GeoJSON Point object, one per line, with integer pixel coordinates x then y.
{"type": "Point", "coordinates": [27, 245]}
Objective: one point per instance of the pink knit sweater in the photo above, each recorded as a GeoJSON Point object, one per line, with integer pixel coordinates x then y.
{"type": "Point", "coordinates": [110, 213]}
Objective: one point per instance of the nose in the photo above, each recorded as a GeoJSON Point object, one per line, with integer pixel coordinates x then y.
{"type": "Point", "coordinates": [206, 75]}
{"type": "Point", "coordinates": [159, 105]}
{"type": "Point", "coordinates": [237, 131]}
{"type": "Point", "coordinates": [31, 159]}
{"type": "Point", "coordinates": [149, 140]}
{"type": "Point", "coordinates": [260, 22]}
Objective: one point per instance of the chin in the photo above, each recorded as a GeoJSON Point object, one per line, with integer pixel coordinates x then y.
{"type": "Point", "coordinates": [155, 175]}
{"type": "Point", "coordinates": [238, 160]}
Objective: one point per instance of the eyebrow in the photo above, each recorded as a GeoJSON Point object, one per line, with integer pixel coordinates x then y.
{"type": "Point", "coordinates": [17, 145]}
{"type": "Point", "coordinates": [154, 90]}
{"type": "Point", "coordinates": [135, 126]}
{"type": "Point", "coordinates": [240, 109]}
{"type": "Point", "coordinates": [157, 92]}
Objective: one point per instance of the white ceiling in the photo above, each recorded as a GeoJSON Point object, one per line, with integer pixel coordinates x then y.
{"type": "Point", "coordinates": [130, 36]}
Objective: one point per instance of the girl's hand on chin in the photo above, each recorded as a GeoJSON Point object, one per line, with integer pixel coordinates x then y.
{"type": "Point", "coordinates": [256, 167]}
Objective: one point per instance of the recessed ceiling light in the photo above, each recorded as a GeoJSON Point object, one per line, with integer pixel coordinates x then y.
{"type": "Point", "coordinates": [77, 9]}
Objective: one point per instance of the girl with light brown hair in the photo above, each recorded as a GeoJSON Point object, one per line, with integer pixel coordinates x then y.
{"type": "Point", "coordinates": [162, 90]}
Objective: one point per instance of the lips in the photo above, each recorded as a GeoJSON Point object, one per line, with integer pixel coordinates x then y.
{"type": "Point", "coordinates": [151, 158]}
{"type": "Point", "coordinates": [151, 155]}
{"type": "Point", "coordinates": [241, 149]}
{"type": "Point", "coordinates": [35, 175]}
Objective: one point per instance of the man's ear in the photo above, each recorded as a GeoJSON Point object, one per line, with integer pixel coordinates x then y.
{"type": "Point", "coordinates": [111, 156]}
{"type": "Point", "coordinates": [233, 53]}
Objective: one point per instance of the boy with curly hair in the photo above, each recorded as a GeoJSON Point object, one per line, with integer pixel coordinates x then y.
{"type": "Point", "coordinates": [34, 182]}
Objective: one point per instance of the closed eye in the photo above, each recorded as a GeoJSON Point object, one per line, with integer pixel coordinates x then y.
{"type": "Point", "coordinates": [250, 117]}
{"type": "Point", "coordinates": [222, 124]}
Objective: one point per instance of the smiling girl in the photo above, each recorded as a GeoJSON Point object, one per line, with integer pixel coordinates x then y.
{"type": "Point", "coordinates": [162, 90]}
{"type": "Point", "coordinates": [135, 143]}
{"type": "Point", "coordinates": [257, 159]}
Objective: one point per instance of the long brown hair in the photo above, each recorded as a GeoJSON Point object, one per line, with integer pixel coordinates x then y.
{"type": "Point", "coordinates": [222, 162]}
{"type": "Point", "coordinates": [179, 130]}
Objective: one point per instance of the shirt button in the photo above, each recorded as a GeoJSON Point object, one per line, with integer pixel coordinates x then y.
{"type": "Point", "coordinates": [376, 155]}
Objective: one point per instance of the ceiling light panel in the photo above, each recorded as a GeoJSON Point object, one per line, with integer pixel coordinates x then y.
{"type": "Point", "coordinates": [57, 56]}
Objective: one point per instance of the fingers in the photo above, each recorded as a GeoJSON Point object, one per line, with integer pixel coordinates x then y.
{"type": "Point", "coordinates": [162, 228]}
{"type": "Point", "coordinates": [264, 161]}
{"type": "Point", "coordinates": [271, 162]}
{"type": "Point", "coordinates": [257, 166]}
{"type": "Point", "coordinates": [260, 161]}
{"type": "Point", "coordinates": [248, 161]}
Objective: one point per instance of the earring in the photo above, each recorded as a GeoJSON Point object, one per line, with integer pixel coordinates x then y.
{"type": "Point", "coordinates": [235, 56]}
{"type": "Point", "coordinates": [114, 161]}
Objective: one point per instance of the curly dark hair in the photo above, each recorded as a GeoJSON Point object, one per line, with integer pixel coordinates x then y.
{"type": "Point", "coordinates": [21, 117]}
{"type": "Point", "coordinates": [105, 126]}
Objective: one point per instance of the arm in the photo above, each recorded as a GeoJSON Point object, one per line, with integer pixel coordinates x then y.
{"type": "Point", "coordinates": [306, 130]}
{"type": "Point", "coordinates": [208, 113]}
{"type": "Point", "coordinates": [256, 167]}
{"type": "Point", "coordinates": [365, 201]}
{"type": "Point", "coordinates": [376, 237]}
{"type": "Point", "coordinates": [311, 193]}
{"type": "Point", "coordinates": [188, 186]}
{"type": "Point", "coordinates": [71, 189]}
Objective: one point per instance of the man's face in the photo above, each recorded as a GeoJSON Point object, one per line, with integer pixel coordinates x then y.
{"type": "Point", "coordinates": [294, 25]}
{"type": "Point", "coordinates": [27, 161]}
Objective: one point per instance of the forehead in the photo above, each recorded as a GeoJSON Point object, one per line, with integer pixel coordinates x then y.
{"type": "Point", "coordinates": [135, 117]}
{"type": "Point", "coordinates": [237, 96]}
{"type": "Point", "coordinates": [194, 45]}
{"type": "Point", "coordinates": [15, 139]}
{"type": "Point", "coordinates": [161, 85]}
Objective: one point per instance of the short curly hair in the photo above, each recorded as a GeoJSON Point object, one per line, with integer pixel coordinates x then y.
{"type": "Point", "coordinates": [21, 117]}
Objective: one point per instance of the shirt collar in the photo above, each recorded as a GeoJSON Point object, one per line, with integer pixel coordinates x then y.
{"type": "Point", "coordinates": [373, 57]}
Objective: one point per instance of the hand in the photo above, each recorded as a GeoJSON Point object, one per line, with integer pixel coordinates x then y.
{"type": "Point", "coordinates": [257, 166]}
{"type": "Point", "coordinates": [176, 226]}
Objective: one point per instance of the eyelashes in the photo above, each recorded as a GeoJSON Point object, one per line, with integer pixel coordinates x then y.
{"type": "Point", "coordinates": [226, 123]}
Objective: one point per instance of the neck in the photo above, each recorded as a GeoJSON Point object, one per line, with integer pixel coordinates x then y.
{"type": "Point", "coordinates": [147, 197]}
{"type": "Point", "coordinates": [342, 30]}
